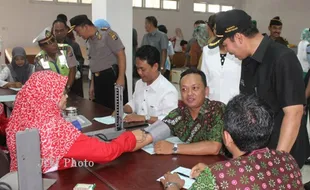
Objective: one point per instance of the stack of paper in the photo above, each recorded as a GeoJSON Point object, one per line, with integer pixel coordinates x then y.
{"type": "Point", "coordinates": [184, 172]}
{"type": "Point", "coordinates": [108, 120]}
{"type": "Point", "coordinates": [150, 148]}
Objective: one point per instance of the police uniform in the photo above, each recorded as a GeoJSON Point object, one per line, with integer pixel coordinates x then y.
{"type": "Point", "coordinates": [65, 56]}
{"type": "Point", "coordinates": [274, 74]}
{"type": "Point", "coordinates": [103, 63]}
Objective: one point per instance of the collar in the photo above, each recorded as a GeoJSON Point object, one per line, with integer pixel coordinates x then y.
{"type": "Point", "coordinates": [154, 32]}
{"type": "Point", "coordinates": [262, 150]}
{"type": "Point", "coordinates": [261, 50]}
{"type": "Point", "coordinates": [202, 110]}
{"type": "Point", "coordinates": [155, 84]}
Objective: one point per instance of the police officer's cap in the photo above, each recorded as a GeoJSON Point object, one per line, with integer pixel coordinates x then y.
{"type": "Point", "coordinates": [229, 23]}
{"type": "Point", "coordinates": [78, 20]}
{"type": "Point", "coordinates": [45, 37]}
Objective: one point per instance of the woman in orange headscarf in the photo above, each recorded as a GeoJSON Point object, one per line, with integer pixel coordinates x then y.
{"type": "Point", "coordinates": [39, 105]}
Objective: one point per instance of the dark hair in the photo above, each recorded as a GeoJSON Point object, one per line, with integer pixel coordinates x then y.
{"type": "Point", "coordinates": [149, 54]}
{"type": "Point", "coordinates": [162, 28]}
{"type": "Point", "coordinates": [62, 21]}
{"type": "Point", "coordinates": [152, 20]}
{"type": "Point", "coordinates": [183, 42]}
{"type": "Point", "coordinates": [199, 22]}
{"type": "Point", "coordinates": [248, 32]}
{"type": "Point", "coordinates": [62, 17]}
{"type": "Point", "coordinates": [275, 21]}
{"type": "Point", "coordinates": [249, 121]}
{"type": "Point", "coordinates": [211, 21]}
{"type": "Point", "coordinates": [194, 70]}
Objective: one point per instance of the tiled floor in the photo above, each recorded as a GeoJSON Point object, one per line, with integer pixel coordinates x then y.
{"type": "Point", "coordinates": [305, 170]}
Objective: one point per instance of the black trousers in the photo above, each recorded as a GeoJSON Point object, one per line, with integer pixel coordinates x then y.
{"type": "Point", "coordinates": [77, 87]}
{"type": "Point", "coordinates": [104, 88]}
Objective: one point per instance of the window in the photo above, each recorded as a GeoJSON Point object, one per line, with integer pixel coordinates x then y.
{"type": "Point", "coordinates": [170, 4]}
{"type": "Point", "coordinates": [157, 4]}
{"type": "Point", "coordinates": [137, 3]}
{"type": "Point", "coordinates": [213, 8]}
{"type": "Point", "coordinates": [226, 8]}
{"type": "Point", "coordinates": [200, 7]}
{"type": "Point", "coordinates": [152, 4]}
{"type": "Point", "coordinates": [66, 1]}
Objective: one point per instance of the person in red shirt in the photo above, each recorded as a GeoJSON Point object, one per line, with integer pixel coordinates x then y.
{"type": "Point", "coordinates": [39, 104]}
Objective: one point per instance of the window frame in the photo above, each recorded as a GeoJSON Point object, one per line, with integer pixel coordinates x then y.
{"type": "Point", "coordinates": [161, 7]}
{"type": "Point", "coordinates": [207, 6]}
{"type": "Point", "coordinates": [78, 2]}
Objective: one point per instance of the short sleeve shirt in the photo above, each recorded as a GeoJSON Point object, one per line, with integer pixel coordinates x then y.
{"type": "Point", "coordinates": [103, 49]}
{"type": "Point", "coordinates": [208, 126]}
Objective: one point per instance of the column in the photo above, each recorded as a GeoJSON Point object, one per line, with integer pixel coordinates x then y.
{"type": "Point", "coordinates": [119, 15]}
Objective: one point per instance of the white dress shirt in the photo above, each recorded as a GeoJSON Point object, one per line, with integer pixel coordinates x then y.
{"type": "Point", "coordinates": [5, 76]}
{"type": "Point", "coordinates": [156, 99]}
{"type": "Point", "coordinates": [302, 55]}
{"type": "Point", "coordinates": [223, 81]}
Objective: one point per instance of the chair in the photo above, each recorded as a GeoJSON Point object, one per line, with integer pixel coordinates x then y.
{"type": "Point", "coordinates": [179, 59]}
{"type": "Point", "coordinates": [4, 164]}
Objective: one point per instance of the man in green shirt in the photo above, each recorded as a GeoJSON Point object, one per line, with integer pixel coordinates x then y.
{"type": "Point", "coordinates": [197, 121]}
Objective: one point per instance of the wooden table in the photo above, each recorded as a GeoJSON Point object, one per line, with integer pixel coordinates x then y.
{"type": "Point", "coordinates": [7, 95]}
{"type": "Point", "coordinates": [67, 179]}
{"type": "Point", "coordinates": [137, 170]}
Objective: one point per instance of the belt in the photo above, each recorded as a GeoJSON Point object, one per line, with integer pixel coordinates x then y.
{"type": "Point", "coordinates": [97, 74]}
{"type": "Point", "coordinates": [114, 68]}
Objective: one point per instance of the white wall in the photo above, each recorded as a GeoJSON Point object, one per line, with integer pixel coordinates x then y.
{"type": "Point", "coordinates": [21, 20]}
{"type": "Point", "coordinates": [184, 18]}
{"type": "Point", "coordinates": [293, 13]}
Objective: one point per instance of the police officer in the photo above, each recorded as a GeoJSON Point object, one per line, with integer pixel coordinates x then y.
{"type": "Point", "coordinates": [107, 60]}
{"type": "Point", "coordinates": [272, 72]}
{"type": "Point", "coordinates": [56, 57]}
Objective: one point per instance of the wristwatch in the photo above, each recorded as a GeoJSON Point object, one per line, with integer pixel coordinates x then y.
{"type": "Point", "coordinates": [147, 118]}
{"type": "Point", "coordinates": [169, 184]}
{"type": "Point", "coordinates": [175, 149]}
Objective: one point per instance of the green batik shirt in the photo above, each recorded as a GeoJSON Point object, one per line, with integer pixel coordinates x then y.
{"type": "Point", "coordinates": [208, 126]}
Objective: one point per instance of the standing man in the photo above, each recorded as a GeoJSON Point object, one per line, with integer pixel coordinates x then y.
{"type": "Point", "coordinates": [107, 60]}
{"type": "Point", "coordinates": [273, 73]}
{"type": "Point", "coordinates": [156, 38]}
{"type": "Point", "coordinates": [275, 28]}
{"type": "Point", "coordinates": [60, 31]}
{"type": "Point", "coordinates": [56, 57]}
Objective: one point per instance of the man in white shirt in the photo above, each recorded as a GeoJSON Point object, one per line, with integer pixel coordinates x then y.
{"type": "Point", "coordinates": [223, 72]}
{"type": "Point", "coordinates": [154, 95]}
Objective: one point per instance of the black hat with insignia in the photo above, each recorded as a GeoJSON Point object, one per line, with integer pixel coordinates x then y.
{"type": "Point", "coordinates": [229, 23]}
{"type": "Point", "coordinates": [79, 20]}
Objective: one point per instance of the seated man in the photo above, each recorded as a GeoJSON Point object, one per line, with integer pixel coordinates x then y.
{"type": "Point", "coordinates": [197, 121]}
{"type": "Point", "coordinates": [154, 95]}
{"type": "Point", "coordinates": [247, 129]}
{"type": "Point", "coordinates": [56, 57]}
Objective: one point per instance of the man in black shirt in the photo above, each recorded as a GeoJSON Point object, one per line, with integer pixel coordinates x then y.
{"type": "Point", "coordinates": [60, 31]}
{"type": "Point", "coordinates": [272, 72]}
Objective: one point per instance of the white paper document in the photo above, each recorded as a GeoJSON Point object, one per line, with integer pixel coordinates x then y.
{"type": "Point", "coordinates": [185, 171]}
{"type": "Point", "coordinates": [150, 148]}
{"type": "Point", "coordinates": [16, 89]}
{"type": "Point", "coordinates": [108, 120]}
{"type": "Point", "coordinates": [7, 98]}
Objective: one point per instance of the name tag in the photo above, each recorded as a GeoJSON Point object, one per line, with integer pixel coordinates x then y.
{"type": "Point", "coordinates": [44, 64]}
{"type": "Point", "coordinates": [63, 60]}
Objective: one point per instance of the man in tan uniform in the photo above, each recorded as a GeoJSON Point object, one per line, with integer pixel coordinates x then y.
{"type": "Point", "coordinates": [107, 60]}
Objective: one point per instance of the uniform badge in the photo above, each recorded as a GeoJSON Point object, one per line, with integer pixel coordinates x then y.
{"type": "Point", "coordinates": [113, 35]}
{"type": "Point", "coordinates": [47, 33]}
{"type": "Point", "coordinates": [99, 36]}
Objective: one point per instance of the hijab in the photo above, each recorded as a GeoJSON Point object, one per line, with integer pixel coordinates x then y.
{"type": "Point", "coordinates": [36, 106]}
{"type": "Point", "coordinates": [201, 35]}
{"type": "Point", "coordinates": [20, 73]}
{"type": "Point", "coordinates": [305, 34]}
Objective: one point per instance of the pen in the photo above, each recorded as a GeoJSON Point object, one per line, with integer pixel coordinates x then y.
{"type": "Point", "coordinates": [181, 174]}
